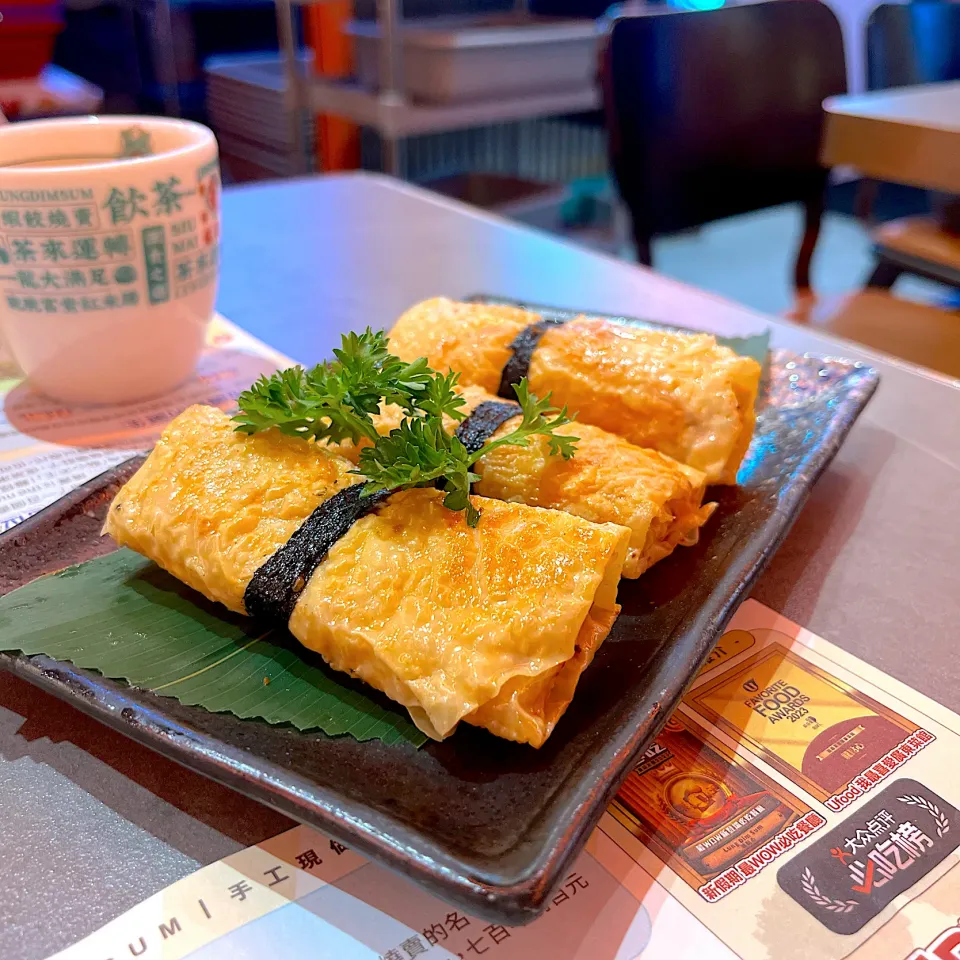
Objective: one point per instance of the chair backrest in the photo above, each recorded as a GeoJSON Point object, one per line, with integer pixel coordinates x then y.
{"type": "Point", "coordinates": [719, 112]}
{"type": "Point", "coordinates": [913, 43]}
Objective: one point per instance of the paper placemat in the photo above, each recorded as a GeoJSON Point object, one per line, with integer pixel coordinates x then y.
{"type": "Point", "coordinates": [799, 803]}
{"type": "Point", "coordinates": [48, 448]}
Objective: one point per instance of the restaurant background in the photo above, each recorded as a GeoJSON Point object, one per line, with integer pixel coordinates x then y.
{"type": "Point", "coordinates": [503, 109]}
{"type": "Point", "coordinates": [827, 218]}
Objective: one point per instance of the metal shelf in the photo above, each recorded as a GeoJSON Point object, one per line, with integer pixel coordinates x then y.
{"type": "Point", "coordinates": [394, 118]}
{"type": "Point", "coordinates": [387, 111]}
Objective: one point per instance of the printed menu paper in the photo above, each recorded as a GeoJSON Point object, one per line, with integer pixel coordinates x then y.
{"type": "Point", "coordinates": [798, 804]}
{"type": "Point", "coordinates": [820, 733]}
{"type": "Point", "coordinates": [47, 448]}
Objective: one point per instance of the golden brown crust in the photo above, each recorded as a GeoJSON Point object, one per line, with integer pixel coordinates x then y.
{"type": "Point", "coordinates": [673, 392]}
{"type": "Point", "coordinates": [467, 337]}
{"type": "Point", "coordinates": [610, 480]}
{"type": "Point", "coordinates": [681, 394]}
{"type": "Point", "coordinates": [441, 616]}
{"type": "Point", "coordinates": [437, 615]}
{"type": "Point", "coordinates": [527, 709]}
{"type": "Point", "coordinates": [210, 505]}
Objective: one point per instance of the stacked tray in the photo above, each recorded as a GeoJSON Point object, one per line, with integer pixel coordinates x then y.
{"type": "Point", "coordinates": [469, 58]}
{"type": "Point", "coordinates": [250, 112]}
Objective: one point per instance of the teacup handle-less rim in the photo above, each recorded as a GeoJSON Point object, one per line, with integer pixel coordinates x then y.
{"type": "Point", "coordinates": [195, 138]}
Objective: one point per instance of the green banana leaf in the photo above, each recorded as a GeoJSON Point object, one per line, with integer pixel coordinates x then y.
{"type": "Point", "coordinates": [126, 618]}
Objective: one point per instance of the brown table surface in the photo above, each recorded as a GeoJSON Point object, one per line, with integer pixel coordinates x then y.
{"type": "Point", "coordinates": [906, 135]}
{"type": "Point", "coordinates": [90, 823]}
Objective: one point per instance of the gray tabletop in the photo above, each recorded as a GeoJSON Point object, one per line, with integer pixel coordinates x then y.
{"type": "Point", "coordinates": [91, 823]}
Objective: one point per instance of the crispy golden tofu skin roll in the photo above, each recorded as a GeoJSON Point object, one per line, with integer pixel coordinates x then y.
{"type": "Point", "coordinates": [683, 395]}
{"type": "Point", "coordinates": [608, 481]}
{"type": "Point", "coordinates": [492, 625]}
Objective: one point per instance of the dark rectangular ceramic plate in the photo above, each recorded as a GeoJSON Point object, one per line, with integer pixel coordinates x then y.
{"type": "Point", "coordinates": [487, 825]}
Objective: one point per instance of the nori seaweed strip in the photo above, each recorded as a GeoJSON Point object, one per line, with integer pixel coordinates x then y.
{"type": "Point", "coordinates": [275, 588]}
{"type": "Point", "coordinates": [485, 420]}
{"type": "Point", "coordinates": [521, 350]}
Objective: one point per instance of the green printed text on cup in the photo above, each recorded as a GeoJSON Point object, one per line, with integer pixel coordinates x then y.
{"type": "Point", "coordinates": [109, 246]}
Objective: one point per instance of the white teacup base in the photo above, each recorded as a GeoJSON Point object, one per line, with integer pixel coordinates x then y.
{"type": "Point", "coordinates": [109, 253]}
{"type": "Point", "coordinates": [119, 357]}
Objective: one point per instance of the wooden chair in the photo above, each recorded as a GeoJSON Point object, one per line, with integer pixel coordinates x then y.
{"type": "Point", "coordinates": [717, 113]}
{"type": "Point", "coordinates": [923, 334]}
{"type": "Point", "coordinates": [909, 44]}
{"type": "Point", "coordinates": [917, 245]}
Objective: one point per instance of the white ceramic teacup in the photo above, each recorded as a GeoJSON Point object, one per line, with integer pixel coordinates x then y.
{"type": "Point", "coordinates": [109, 242]}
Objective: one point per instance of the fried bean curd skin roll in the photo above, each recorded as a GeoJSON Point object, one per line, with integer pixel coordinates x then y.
{"type": "Point", "coordinates": [682, 394]}
{"type": "Point", "coordinates": [492, 624]}
{"type": "Point", "coordinates": [609, 480]}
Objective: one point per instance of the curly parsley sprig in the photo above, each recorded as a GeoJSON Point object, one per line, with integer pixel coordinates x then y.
{"type": "Point", "coordinates": [336, 401]}
{"type": "Point", "coordinates": [419, 452]}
